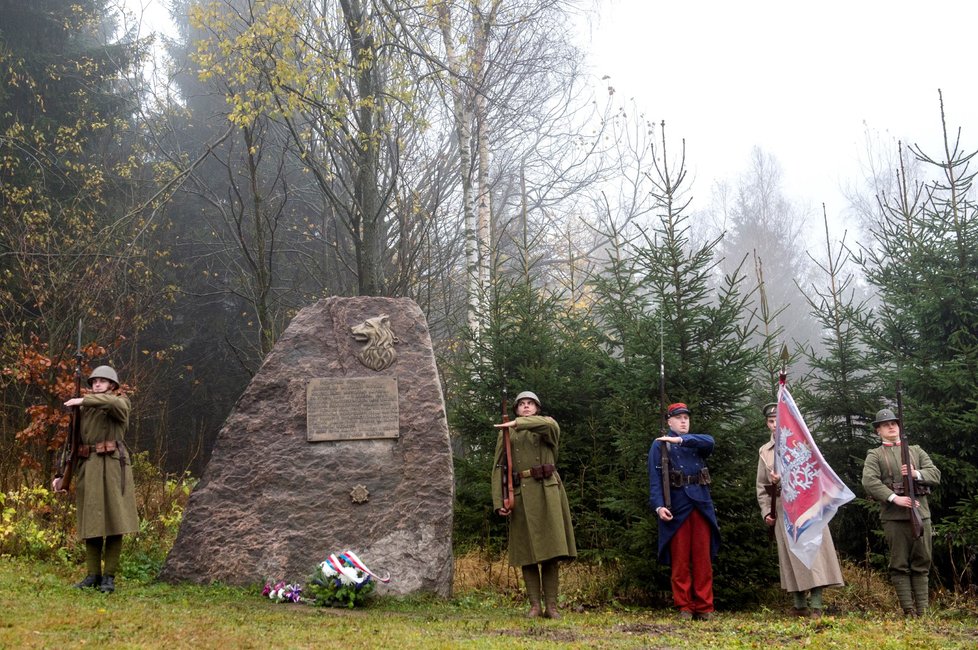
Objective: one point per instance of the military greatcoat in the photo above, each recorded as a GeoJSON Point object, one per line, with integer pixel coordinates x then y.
{"type": "Point", "coordinates": [688, 458]}
{"type": "Point", "coordinates": [104, 492]}
{"type": "Point", "coordinates": [540, 526]}
{"type": "Point", "coordinates": [795, 576]}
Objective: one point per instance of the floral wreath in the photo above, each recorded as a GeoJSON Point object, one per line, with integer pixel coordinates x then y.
{"type": "Point", "coordinates": [350, 567]}
{"type": "Point", "coordinates": [341, 579]}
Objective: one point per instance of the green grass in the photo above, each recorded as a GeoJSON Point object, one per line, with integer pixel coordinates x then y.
{"type": "Point", "coordinates": [40, 609]}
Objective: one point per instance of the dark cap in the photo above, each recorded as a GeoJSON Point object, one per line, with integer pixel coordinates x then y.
{"type": "Point", "coordinates": [885, 415]}
{"type": "Point", "coordinates": [677, 409]}
{"type": "Point", "coordinates": [770, 410]}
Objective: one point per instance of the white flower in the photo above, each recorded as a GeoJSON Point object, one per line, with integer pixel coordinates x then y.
{"type": "Point", "coordinates": [327, 569]}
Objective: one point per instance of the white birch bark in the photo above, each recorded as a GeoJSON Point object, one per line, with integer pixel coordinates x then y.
{"type": "Point", "coordinates": [462, 110]}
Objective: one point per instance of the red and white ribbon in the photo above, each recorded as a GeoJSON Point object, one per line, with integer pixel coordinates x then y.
{"type": "Point", "coordinates": [348, 564]}
{"type": "Point", "coordinates": [355, 561]}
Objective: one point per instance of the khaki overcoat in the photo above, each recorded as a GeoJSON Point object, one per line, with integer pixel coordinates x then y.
{"type": "Point", "coordinates": [882, 470]}
{"type": "Point", "coordinates": [795, 576]}
{"type": "Point", "coordinates": [105, 496]}
{"type": "Point", "coordinates": [540, 526]}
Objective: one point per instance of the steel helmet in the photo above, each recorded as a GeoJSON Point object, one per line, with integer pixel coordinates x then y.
{"type": "Point", "coordinates": [104, 372]}
{"type": "Point", "coordinates": [885, 415]}
{"type": "Point", "coordinates": [528, 394]}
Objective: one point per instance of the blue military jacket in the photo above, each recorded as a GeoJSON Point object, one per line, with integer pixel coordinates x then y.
{"type": "Point", "coordinates": [688, 458]}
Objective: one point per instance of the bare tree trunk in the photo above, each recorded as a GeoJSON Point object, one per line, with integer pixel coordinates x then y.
{"type": "Point", "coordinates": [462, 110]}
{"type": "Point", "coordinates": [480, 29]}
{"type": "Point", "coordinates": [368, 207]}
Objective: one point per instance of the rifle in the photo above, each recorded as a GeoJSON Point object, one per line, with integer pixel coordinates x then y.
{"type": "Point", "coordinates": [774, 489]}
{"type": "Point", "coordinates": [666, 487]}
{"type": "Point", "coordinates": [909, 484]}
{"type": "Point", "coordinates": [509, 498]}
{"type": "Point", "coordinates": [69, 452]}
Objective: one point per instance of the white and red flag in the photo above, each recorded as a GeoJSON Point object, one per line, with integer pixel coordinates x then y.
{"type": "Point", "coordinates": [811, 492]}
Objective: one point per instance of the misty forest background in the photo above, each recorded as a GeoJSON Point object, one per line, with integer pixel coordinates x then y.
{"type": "Point", "coordinates": [186, 195]}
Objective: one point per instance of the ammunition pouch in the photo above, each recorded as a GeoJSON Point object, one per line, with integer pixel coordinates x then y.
{"type": "Point", "coordinates": [678, 479]}
{"type": "Point", "coordinates": [539, 472]}
{"type": "Point", "coordinates": [99, 448]}
{"type": "Point", "coordinates": [918, 488]}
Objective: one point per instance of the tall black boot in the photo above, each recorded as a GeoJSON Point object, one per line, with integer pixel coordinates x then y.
{"type": "Point", "coordinates": [89, 581]}
{"type": "Point", "coordinates": [108, 584]}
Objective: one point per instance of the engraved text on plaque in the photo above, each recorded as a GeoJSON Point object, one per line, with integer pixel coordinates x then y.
{"type": "Point", "coordinates": [359, 408]}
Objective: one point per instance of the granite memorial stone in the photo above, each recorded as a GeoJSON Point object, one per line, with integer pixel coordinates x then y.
{"type": "Point", "coordinates": [338, 443]}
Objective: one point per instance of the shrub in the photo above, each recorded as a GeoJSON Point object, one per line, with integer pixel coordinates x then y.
{"type": "Point", "coordinates": [36, 523]}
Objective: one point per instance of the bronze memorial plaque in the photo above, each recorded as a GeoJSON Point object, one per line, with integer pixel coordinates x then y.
{"type": "Point", "coordinates": [359, 408]}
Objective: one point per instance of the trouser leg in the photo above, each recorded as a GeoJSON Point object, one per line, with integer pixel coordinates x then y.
{"type": "Point", "coordinates": [800, 601]}
{"type": "Point", "coordinates": [531, 578]}
{"type": "Point", "coordinates": [551, 584]}
{"type": "Point", "coordinates": [93, 556]}
{"type": "Point", "coordinates": [113, 551]}
{"type": "Point", "coordinates": [702, 563]}
{"type": "Point", "coordinates": [681, 576]}
{"type": "Point", "coordinates": [920, 561]}
{"type": "Point", "coordinates": [815, 600]}
{"type": "Point", "coordinates": [920, 587]}
{"type": "Point", "coordinates": [898, 538]}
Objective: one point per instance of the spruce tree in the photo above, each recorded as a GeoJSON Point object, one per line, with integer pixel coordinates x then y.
{"type": "Point", "coordinates": [923, 264]}
{"type": "Point", "coordinates": [700, 324]}
{"type": "Point", "coordinates": [841, 390]}
{"type": "Point", "coordinates": [532, 338]}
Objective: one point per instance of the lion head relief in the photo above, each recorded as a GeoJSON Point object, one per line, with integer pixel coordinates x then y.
{"type": "Point", "coordinates": [378, 353]}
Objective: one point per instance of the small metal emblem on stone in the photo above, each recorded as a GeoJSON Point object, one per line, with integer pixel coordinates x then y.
{"type": "Point", "coordinates": [378, 352]}
{"type": "Point", "coordinates": [359, 494]}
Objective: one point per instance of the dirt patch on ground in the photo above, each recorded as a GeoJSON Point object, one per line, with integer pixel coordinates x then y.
{"type": "Point", "coordinates": [560, 635]}
{"type": "Point", "coordinates": [556, 635]}
{"type": "Point", "coordinates": [644, 629]}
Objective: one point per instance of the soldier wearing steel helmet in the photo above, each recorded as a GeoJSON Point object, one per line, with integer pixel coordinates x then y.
{"type": "Point", "coordinates": [883, 474]}
{"type": "Point", "coordinates": [540, 529]}
{"type": "Point", "coordinates": [104, 494]}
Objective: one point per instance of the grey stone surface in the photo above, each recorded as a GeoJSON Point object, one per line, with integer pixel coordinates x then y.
{"type": "Point", "coordinates": [272, 505]}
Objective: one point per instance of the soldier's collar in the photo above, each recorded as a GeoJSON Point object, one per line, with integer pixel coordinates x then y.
{"type": "Point", "coordinates": [892, 444]}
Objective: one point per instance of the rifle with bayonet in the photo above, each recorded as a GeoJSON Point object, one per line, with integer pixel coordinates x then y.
{"type": "Point", "coordinates": [509, 496]}
{"type": "Point", "coordinates": [664, 428]}
{"type": "Point", "coordinates": [69, 452]}
{"type": "Point", "coordinates": [909, 483]}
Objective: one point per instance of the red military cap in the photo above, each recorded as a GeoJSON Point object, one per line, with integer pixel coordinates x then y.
{"type": "Point", "coordinates": [677, 409]}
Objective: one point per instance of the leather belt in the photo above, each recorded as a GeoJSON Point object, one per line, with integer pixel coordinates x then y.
{"type": "Point", "coordinates": [99, 448]}
{"type": "Point", "coordinates": [539, 472]}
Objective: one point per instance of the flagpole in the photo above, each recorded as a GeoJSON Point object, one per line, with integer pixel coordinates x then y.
{"type": "Point", "coordinates": [811, 492]}
{"type": "Point", "coordinates": [783, 375]}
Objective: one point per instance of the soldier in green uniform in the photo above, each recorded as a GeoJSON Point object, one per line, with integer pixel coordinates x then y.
{"type": "Point", "coordinates": [104, 494]}
{"type": "Point", "coordinates": [883, 474]}
{"type": "Point", "coordinates": [540, 530]}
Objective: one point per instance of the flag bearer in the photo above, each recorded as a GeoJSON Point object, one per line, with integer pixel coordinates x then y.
{"type": "Point", "coordinates": [796, 578]}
